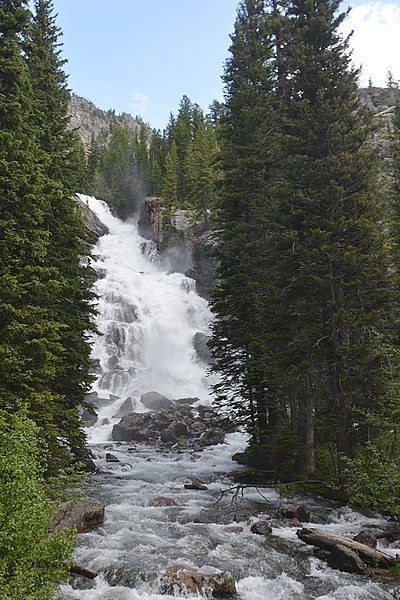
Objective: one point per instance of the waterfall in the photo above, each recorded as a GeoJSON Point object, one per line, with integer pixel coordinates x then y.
{"type": "Point", "coordinates": [148, 318]}
{"type": "Point", "coordinates": [153, 519]}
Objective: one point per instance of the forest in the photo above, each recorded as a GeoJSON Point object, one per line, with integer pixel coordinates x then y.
{"type": "Point", "coordinates": [306, 313]}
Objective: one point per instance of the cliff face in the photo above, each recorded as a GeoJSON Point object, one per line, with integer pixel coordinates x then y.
{"type": "Point", "coordinates": [90, 120]}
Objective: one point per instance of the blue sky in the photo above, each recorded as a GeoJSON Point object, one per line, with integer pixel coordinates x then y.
{"type": "Point", "coordinates": [141, 57]}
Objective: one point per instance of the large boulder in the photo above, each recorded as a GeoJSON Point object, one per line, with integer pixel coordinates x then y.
{"type": "Point", "coordinates": [345, 559]}
{"type": "Point", "coordinates": [188, 580]}
{"type": "Point", "coordinates": [94, 227]}
{"type": "Point", "coordinates": [155, 401]}
{"type": "Point", "coordinates": [295, 511]}
{"type": "Point", "coordinates": [84, 514]}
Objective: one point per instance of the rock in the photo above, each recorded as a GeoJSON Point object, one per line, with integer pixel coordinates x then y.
{"type": "Point", "coordinates": [200, 343]}
{"type": "Point", "coordinates": [180, 430]}
{"type": "Point", "coordinates": [151, 219]}
{"type": "Point", "coordinates": [162, 501]}
{"type": "Point", "coordinates": [188, 401]}
{"type": "Point", "coordinates": [126, 408]}
{"type": "Point", "coordinates": [95, 368]}
{"type": "Point", "coordinates": [236, 529]}
{"type": "Point", "coordinates": [366, 537]}
{"type": "Point", "coordinates": [212, 436]}
{"type": "Point", "coordinates": [345, 559]}
{"type": "Point", "coordinates": [111, 458]}
{"type": "Point", "coordinates": [94, 227]}
{"type": "Point", "coordinates": [204, 263]}
{"type": "Point", "coordinates": [112, 362]}
{"type": "Point", "coordinates": [89, 418]}
{"type": "Point", "coordinates": [167, 437]}
{"type": "Point", "coordinates": [187, 580]}
{"type": "Point", "coordinates": [155, 401]}
{"type": "Point", "coordinates": [84, 514]}
{"type": "Point", "coordinates": [87, 461]}
{"type": "Point", "coordinates": [261, 528]}
{"type": "Point", "coordinates": [295, 523]}
{"type": "Point", "coordinates": [295, 511]}
{"type": "Point", "coordinates": [194, 485]}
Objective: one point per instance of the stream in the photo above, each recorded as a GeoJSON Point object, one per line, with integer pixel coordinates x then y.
{"type": "Point", "coordinates": [149, 315]}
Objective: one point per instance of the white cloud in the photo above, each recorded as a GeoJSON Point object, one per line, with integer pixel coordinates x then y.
{"type": "Point", "coordinates": [139, 104]}
{"type": "Point", "coordinates": [375, 41]}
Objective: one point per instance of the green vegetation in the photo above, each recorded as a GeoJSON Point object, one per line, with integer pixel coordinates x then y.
{"type": "Point", "coordinates": [305, 337]}
{"type": "Point", "coordinates": [46, 310]}
{"type": "Point", "coordinates": [179, 165]}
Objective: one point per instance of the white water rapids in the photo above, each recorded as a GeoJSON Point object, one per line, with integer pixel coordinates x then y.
{"type": "Point", "coordinates": [148, 318]}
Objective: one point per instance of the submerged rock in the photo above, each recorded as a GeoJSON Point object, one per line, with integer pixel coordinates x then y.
{"type": "Point", "coordinates": [162, 501]}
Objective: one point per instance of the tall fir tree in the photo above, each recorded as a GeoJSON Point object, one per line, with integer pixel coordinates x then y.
{"type": "Point", "coordinates": [71, 305]}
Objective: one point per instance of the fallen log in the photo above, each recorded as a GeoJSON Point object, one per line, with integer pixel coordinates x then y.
{"type": "Point", "coordinates": [83, 571]}
{"type": "Point", "coordinates": [322, 539]}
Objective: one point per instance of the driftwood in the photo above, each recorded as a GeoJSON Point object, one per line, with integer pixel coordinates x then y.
{"type": "Point", "coordinates": [391, 535]}
{"type": "Point", "coordinates": [78, 570]}
{"type": "Point", "coordinates": [371, 556]}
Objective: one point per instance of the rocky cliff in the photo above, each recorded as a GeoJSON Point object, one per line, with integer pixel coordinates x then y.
{"type": "Point", "coordinates": [91, 121]}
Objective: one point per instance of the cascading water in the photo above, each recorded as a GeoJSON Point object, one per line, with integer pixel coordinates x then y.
{"type": "Point", "coordinates": [148, 318]}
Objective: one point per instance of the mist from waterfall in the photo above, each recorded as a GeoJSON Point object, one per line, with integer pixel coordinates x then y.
{"type": "Point", "coordinates": [147, 317]}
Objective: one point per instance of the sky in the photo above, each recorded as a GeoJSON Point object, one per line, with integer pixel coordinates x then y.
{"type": "Point", "coordinates": [142, 56]}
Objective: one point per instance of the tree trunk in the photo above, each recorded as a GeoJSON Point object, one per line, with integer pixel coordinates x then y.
{"type": "Point", "coordinates": [328, 541]}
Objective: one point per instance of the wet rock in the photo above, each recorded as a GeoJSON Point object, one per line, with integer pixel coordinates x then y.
{"type": "Point", "coordinates": [261, 528]}
{"type": "Point", "coordinates": [195, 485]}
{"type": "Point", "coordinates": [237, 529]}
{"type": "Point", "coordinates": [126, 408]}
{"type": "Point", "coordinates": [212, 437]}
{"type": "Point", "coordinates": [345, 559]}
{"type": "Point", "coordinates": [155, 401]}
{"type": "Point", "coordinates": [112, 362]}
{"type": "Point", "coordinates": [89, 418]}
{"type": "Point", "coordinates": [86, 460]}
{"type": "Point", "coordinates": [295, 511]}
{"type": "Point", "coordinates": [162, 501]}
{"type": "Point", "coordinates": [84, 514]}
{"type": "Point", "coordinates": [111, 458]}
{"type": "Point", "coordinates": [188, 401]}
{"type": "Point", "coordinates": [167, 437]}
{"type": "Point", "coordinates": [295, 523]}
{"type": "Point", "coordinates": [366, 537]}
{"type": "Point", "coordinates": [187, 580]}
{"type": "Point", "coordinates": [200, 344]}
{"type": "Point", "coordinates": [95, 367]}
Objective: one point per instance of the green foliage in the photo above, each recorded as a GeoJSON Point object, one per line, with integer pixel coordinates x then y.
{"type": "Point", "coordinates": [33, 560]}
{"type": "Point", "coordinates": [304, 336]}
{"type": "Point", "coordinates": [373, 474]}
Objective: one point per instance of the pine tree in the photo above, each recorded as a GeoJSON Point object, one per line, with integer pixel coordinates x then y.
{"type": "Point", "coordinates": [70, 298]}
{"type": "Point", "coordinates": [30, 346]}
{"type": "Point", "coordinates": [336, 259]}
{"type": "Point", "coordinates": [170, 188]}
{"type": "Point", "coordinates": [243, 338]}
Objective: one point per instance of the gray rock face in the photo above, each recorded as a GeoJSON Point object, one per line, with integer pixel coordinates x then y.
{"type": "Point", "coordinates": [94, 227]}
{"type": "Point", "coordinates": [366, 537]}
{"type": "Point", "coordinates": [90, 120]}
{"type": "Point", "coordinates": [83, 514]}
{"type": "Point", "coordinates": [155, 401]}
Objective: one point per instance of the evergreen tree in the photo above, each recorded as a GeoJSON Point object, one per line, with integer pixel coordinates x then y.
{"type": "Point", "coordinates": [62, 164]}
{"type": "Point", "coordinates": [243, 338]}
{"type": "Point", "coordinates": [170, 189]}
{"type": "Point", "coordinates": [30, 348]}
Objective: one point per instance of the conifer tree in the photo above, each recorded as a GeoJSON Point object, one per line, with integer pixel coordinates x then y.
{"type": "Point", "coordinates": [30, 348]}
{"type": "Point", "coordinates": [61, 162]}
